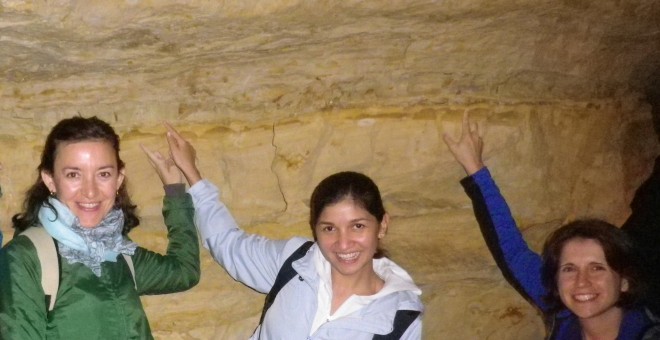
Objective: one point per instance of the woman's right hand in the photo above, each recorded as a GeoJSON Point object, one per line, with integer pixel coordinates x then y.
{"type": "Point", "coordinates": [467, 149]}
{"type": "Point", "coordinates": [165, 167]}
{"type": "Point", "coordinates": [183, 154]}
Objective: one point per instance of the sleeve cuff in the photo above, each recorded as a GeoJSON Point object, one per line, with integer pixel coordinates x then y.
{"type": "Point", "coordinates": [478, 176]}
{"type": "Point", "coordinates": [175, 190]}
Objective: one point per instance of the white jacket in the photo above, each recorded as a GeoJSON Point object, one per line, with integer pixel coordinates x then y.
{"type": "Point", "coordinates": [255, 261]}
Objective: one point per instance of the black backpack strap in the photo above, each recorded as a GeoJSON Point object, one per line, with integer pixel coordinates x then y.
{"type": "Point", "coordinates": [285, 275]}
{"type": "Point", "coordinates": [402, 320]}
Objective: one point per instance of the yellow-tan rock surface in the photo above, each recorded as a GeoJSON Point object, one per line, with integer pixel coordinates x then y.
{"type": "Point", "coordinates": [277, 94]}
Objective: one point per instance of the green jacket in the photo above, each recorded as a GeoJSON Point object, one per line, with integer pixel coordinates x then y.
{"type": "Point", "coordinates": [91, 307]}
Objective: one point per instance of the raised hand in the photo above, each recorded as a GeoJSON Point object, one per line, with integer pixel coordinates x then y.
{"type": "Point", "coordinates": [183, 154]}
{"type": "Point", "coordinates": [165, 167]}
{"type": "Point", "coordinates": [467, 149]}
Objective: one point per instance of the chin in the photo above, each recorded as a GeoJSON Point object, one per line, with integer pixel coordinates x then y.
{"type": "Point", "coordinates": [90, 223]}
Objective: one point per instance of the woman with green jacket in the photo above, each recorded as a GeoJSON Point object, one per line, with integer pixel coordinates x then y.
{"type": "Point", "coordinates": [80, 200]}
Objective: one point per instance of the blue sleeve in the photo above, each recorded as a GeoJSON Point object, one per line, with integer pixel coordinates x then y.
{"type": "Point", "coordinates": [520, 266]}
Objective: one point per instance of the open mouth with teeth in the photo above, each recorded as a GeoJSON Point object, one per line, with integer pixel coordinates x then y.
{"type": "Point", "coordinates": [584, 297]}
{"type": "Point", "coordinates": [88, 206]}
{"type": "Point", "coordinates": [348, 257]}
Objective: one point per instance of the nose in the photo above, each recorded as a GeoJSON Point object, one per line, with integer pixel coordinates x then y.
{"type": "Point", "coordinates": [89, 187]}
{"type": "Point", "coordinates": [582, 278]}
{"type": "Point", "coordinates": [344, 240]}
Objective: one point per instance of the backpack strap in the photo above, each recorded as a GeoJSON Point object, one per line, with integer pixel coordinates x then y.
{"type": "Point", "coordinates": [129, 262]}
{"type": "Point", "coordinates": [46, 249]}
{"type": "Point", "coordinates": [402, 320]}
{"type": "Point", "coordinates": [285, 275]}
{"type": "Point", "coordinates": [50, 266]}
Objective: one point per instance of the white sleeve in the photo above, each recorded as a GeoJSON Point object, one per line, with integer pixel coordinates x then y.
{"type": "Point", "coordinates": [251, 259]}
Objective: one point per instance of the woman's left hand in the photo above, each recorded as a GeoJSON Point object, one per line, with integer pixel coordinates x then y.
{"type": "Point", "coordinates": [168, 172]}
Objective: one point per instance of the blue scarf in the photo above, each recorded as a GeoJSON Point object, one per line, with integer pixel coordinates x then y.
{"type": "Point", "coordinates": [89, 246]}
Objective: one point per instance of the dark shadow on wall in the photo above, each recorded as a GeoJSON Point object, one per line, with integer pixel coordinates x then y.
{"type": "Point", "coordinates": [643, 225]}
{"type": "Point", "coordinates": [640, 140]}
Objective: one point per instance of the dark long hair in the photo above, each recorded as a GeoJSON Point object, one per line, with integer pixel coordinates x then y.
{"type": "Point", "coordinates": [619, 254]}
{"type": "Point", "coordinates": [71, 130]}
{"type": "Point", "coordinates": [334, 188]}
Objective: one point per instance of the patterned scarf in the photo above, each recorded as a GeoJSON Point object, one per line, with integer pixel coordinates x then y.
{"type": "Point", "coordinates": [89, 246]}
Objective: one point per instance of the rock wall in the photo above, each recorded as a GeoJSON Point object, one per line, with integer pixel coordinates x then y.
{"type": "Point", "coordinates": [276, 95]}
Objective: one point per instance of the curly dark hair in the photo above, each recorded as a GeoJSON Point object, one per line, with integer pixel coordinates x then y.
{"type": "Point", "coordinates": [75, 129]}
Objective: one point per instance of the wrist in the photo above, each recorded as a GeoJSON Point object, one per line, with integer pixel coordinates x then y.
{"type": "Point", "coordinates": [472, 168]}
{"type": "Point", "coordinates": [193, 177]}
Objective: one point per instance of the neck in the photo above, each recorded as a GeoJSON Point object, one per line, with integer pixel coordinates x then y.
{"type": "Point", "coordinates": [602, 327]}
{"type": "Point", "coordinates": [367, 283]}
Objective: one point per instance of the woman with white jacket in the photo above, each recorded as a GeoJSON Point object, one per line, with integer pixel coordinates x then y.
{"type": "Point", "coordinates": [338, 287]}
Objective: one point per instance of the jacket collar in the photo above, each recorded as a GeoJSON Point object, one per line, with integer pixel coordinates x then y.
{"type": "Point", "coordinates": [377, 317]}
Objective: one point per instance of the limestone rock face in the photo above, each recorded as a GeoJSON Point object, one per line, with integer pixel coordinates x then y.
{"type": "Point", "coordinates": [276, 95]}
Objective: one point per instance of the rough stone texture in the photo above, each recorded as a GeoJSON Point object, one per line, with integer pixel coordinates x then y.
{"type": "Point", "coordinates": [276, 95]}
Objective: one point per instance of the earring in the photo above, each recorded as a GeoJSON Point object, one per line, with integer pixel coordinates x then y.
{"type": "Point", "coordinates": [52, 193]}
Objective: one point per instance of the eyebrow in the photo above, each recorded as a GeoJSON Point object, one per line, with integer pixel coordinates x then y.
{"type": "Point", "coordinates": [105, 167]}
{"type": "Point", "coordinates": [351, 221]}
{"type": "Point", "coordinates": [592, 262]}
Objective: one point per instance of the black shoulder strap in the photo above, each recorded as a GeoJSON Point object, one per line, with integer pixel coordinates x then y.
{"type": "Point", "coordinates": [285, 275]}
{"type": "Point", "coordinates": [402, 320]}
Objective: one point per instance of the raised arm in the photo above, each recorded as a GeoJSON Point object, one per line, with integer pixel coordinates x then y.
{"type": "Point", "coordinates": [251, 259]}
{"type": "Point", "coordinates": [518, 264]}
{"type": "Point", "coordinates": [179, 268]}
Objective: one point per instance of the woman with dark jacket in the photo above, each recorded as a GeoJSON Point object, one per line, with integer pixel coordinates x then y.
{"type": "Point", "coordinates": [585, 283]}
{"type": "Point", "coordinates": [79, 203]}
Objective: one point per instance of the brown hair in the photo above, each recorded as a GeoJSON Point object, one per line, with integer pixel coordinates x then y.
{"type": "Point", "coordinates": [71, 130]}
{"type": "Point", "coordinates": [619, 254]}
{"type": "Point", "coordinates": [348, 184]}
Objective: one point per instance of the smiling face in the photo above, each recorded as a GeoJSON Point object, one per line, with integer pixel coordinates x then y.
{"type": "Point", "coordinates": [348, 237]}
{"type": "Point", "coordinates": [587, 285]}
{"type": "Point", "coordinates": [86, 179]}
